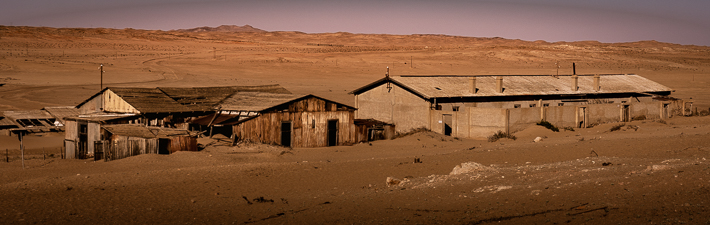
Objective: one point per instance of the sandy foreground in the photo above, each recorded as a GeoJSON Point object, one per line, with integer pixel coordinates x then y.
{"type": "Point", "coordinates": [647, 172]}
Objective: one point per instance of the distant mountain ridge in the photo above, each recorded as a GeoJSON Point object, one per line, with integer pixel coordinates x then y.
{"type": "Point", "coordinates": [224, 28]}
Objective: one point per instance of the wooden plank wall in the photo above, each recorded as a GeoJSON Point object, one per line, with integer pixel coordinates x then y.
{"type": "Point", "coordinates": [309, 119]}
{"type": "Point", "coordinates": [183, 143]}
{"type": "Point", "coordinates": [123, 147]}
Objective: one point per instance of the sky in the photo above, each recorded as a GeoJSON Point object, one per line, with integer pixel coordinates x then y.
{"type": "Point", "coordinates": [676, 21]}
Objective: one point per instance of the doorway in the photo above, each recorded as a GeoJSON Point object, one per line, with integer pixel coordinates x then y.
{"type": "Point", "coordinates": [447, 124]}
{"type": "Point", "coordinates": [286, 133]}
{"type": "Point", "coordinates": [625, 113]}
{"type": "Point", "coordinates": [582, 117]}
{"type": "Point", "coordinates": [332, 132]}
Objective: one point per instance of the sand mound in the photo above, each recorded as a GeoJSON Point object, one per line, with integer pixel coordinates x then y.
{"type": "Point", "coordinates": [534, 131]}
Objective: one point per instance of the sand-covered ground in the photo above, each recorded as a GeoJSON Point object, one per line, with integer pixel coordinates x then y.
{"type": "Point", "coordinates": [648, 172]}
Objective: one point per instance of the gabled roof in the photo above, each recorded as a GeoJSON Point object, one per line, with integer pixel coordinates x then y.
{"type": "Point", "coordinates": [149, 100]}
{"type": "Point", "coordinates": [131, 130]}
{"type": "Point", "coordinates": [260, 102]}
{"type": "Point", "coordinates": [178, 99]}
{"type": "Point", "coordinates": [429, 87]}
{"type": "Point", "coordinates": [206, 98]}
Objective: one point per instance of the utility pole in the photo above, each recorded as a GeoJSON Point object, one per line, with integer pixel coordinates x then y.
{"type": "Point", "coordinates": [101, 68]}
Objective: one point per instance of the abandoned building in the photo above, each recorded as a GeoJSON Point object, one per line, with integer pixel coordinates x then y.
{"type": "Point", "coordinates": [48, 119]}
{"type": "Point", "coordinates": [125, 140]}
{"type": "Point", "coordinates": [479, 106]}
{"type": "Point", "coordinates": [291, 120]}
{"type": "Point", "coordinates": [150, 107]}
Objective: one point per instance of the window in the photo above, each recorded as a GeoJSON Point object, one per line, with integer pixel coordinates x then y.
{"type": "Point", "coordinates": [516, 106]}
{"type": "Point", "coordinates": [560, 104]}
{"type": "Point", "coordinates": [533, 105]}
{"type": "Point", "coordinates": [455, 108]}
{"type": "Point", "coordinates": [438, 107]}
{"type": "Point", "coordinates": [546, 104]}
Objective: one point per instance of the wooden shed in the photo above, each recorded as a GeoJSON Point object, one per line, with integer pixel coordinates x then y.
{"type": "Point", "coordinates": [125, 140]}
{"type": "Point", "coordinates": [372, 130]}
{"type": "Point", "coordinates": [290, 120]}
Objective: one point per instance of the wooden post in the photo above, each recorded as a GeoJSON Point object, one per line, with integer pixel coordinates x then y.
{"type": "Point", "coordinates": [7, 156]}
{"type": "Point", "coordinates": [22, 148]}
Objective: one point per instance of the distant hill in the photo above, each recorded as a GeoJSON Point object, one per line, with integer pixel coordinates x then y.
{"type": "Point", "coordinates": [224, 28]}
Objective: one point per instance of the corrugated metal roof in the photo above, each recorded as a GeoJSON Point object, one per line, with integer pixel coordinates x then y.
{"type": "Point", "coordinates": [61, 112]}
{"type": "Point", "coordinates": [28, 114]}
{"type": "Point", "coordinates": [256, 101]}
{"type": "Point", "coordinates": [517, 85]}
{"type": "Point", "coordinates": [130, 130]}
{"type": "Point", "coordinates": [206, 98]}
{"type": "Point", "coordinates": [149, 100]}
{"type": "Point", "coordinates": [179, 99]}
{"type": "Point", "coordinates": [7, 122]}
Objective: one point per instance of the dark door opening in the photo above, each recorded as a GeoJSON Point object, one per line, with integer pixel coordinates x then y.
{"type": "Point", "coordinates": [286, 133]}
{"type": "Point", "coordinates": [164, 146]}
{"type": "Point", "coordinates": [447, 124]}
{"type": "Point", "coordinates": [332, 132]}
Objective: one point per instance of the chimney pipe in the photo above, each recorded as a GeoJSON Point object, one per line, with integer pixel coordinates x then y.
{"type": "Point", "coordinates": [499, 84]}
{"type": "Point", "coordinates": [472, 85]}
{"type": "Point", "coordinates": [574, 69]}
{"type": "Point", "coordinates": [597, 86]}
{"type": "Point", "coordinates": [575, 83]}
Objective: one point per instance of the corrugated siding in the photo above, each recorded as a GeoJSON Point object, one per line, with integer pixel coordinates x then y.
{"type": "Point", "coordinates": [114, 103]}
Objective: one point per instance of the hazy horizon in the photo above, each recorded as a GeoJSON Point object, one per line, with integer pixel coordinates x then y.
{"type": "Point", "coordinates": [680, 22]}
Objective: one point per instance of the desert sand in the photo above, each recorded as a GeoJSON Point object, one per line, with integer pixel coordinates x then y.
{"type": "Point", "coordinates": [651, 172]}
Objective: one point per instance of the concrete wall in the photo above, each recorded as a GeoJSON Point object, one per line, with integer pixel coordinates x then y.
{"type": "Point", "coordinates": [480, 123]}
{"type": "Point", "coordinates": [398, 106]}
{"type": "Point", "coordinates": [521, 118]}
{"type": "Point", "coordinates": [485, 122]}
{"type": "Point", "coordinates": [561, 116]}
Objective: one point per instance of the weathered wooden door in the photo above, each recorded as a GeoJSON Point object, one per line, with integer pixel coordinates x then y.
{"type": "Point", "coordinates": [286, 133]}
{"type": "Point", "coordinates": [625, 113]}
{"type": "Point", "coordinates": [447, 124]}
{"type": "Point", "coordinates": [332, 132]}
